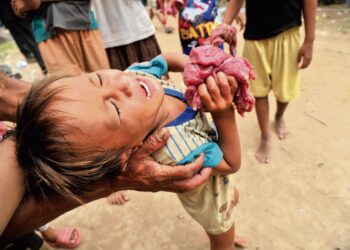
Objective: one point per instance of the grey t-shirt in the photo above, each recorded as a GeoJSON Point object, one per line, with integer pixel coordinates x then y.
{"type": "Point", "coordinates": [69, 15]}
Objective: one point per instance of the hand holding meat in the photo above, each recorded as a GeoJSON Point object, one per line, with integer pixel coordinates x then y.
{"type": "Point", "coordinates": [217, 94]}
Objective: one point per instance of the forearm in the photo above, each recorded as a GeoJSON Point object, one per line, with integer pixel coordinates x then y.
{"type": "Point", "coordinates": [228, 141]}
{"type": "Point", "coordinates": [232, 11]}
{"type": "Point", "coordinates": [11, 183]}
{"type": "Point", "coordinates": [309, 12]}
{"type": "Point", "coordinates": [32, 213]}
{"type": "Point", "coordinates": [176, 61]}
{"type": "Point", "coordinates": [12, 92]}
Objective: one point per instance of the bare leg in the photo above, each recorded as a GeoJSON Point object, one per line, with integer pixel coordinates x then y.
{"type": "Point", "coordinates": [280, 126]}
{"type": "Point", "coordinates": [262, 112]}
{"type": "Point", "coordinates": [117, 198]}
{"type": "Point", "coordinates": [223, 241]}
{"type": "Point", "coordinates": [227, 240]}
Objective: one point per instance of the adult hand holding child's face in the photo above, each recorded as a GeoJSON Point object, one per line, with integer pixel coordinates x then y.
{"type": "Point", "coordinates": [143, 173]}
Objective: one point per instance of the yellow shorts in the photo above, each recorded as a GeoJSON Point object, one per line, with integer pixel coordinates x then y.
{"type": "Point", "coordinates": [275, 64]}
{"type": "Point", "coordinates": [212, 203]}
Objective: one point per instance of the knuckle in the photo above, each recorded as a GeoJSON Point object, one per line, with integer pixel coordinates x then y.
{"type": "Point", "coordinates": [151, 143]}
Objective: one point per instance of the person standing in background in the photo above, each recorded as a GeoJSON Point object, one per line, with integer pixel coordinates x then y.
{"type": "Point", "coordinates": [21, 31]}
{"type": "Point", "coordinates": [67, 34]}
{"type": "Point", "coordinates": [127, 32]}
{"type": "Point", "coordinates": [272, 45]}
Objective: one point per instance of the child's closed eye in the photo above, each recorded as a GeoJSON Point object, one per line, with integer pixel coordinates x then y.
{"type": "Point", "coordinates": [116, 107]}
{"type": "Point", "coordinates": [100, 79]}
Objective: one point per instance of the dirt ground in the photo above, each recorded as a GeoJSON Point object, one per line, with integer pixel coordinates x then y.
{"type": "Point", "coordinates": [301, 200]}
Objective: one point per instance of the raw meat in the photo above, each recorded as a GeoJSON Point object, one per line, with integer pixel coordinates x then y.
{"type": "Point", "coordinates": [219, 35]}
{"type": "Point", "coordinates": [206, 61]}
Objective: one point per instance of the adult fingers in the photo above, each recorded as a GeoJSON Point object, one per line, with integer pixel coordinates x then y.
{"type": "Point", "coordinates": [196, 180]}
{"type": "Point", "coordinates": [155, 177]}
{"type": "Point", "coordinates": [183, 172]}
{"type": "Point", "coordinates": [153, 143]}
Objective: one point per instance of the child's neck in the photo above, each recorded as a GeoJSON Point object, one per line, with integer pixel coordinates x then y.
{"type": "Point", "coordinates": [172, 108]}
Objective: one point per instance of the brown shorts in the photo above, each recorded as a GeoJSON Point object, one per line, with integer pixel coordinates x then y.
{"type": "Point", "coordinates": [74, 51]}
{"type": "Point", "coordinates": [121, 57]}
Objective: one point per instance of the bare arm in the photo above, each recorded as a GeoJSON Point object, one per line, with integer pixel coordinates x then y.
{"type": "Point", "coordinates": [229, 142]}
{"type": "Point", "coordinates": [217, 99]}
{"type": "Point", "coordinates": [21, 7]}
{"type": "Point", "coordinates": [12, 92]}
{"type": "Point", "coordinates": [309, 12]}
{"type": "Point", "coordinates": [32, 213]}
{"type": "Point", "coordinates": [306, 50]}
{"type": "Point", "coordinates": [141, 173]}
{"type": "Point", "coordinates": [232, 11]}
{"type": "Point", "coordinates": [176, 61]}
{"type": "Point", "coordinates": [11, 183]}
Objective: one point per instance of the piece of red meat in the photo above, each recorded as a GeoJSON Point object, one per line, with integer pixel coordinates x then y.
{"type": "Point", "coordinates": [219, 35]}
{"type": "Point", "coordinates": [206, 61]}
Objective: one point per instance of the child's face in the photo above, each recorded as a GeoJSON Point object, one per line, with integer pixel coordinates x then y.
{"type": "Point", "coordinates": [112, 109]}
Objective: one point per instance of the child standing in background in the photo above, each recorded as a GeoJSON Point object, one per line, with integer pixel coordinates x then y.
{"type": "Point", "coordinates": [273, 46]}
{"type": "Point", "coordinates": [196, 20]}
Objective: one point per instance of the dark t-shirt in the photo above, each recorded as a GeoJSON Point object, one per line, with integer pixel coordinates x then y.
{"type": "Point", "coordinates": [267, 18]}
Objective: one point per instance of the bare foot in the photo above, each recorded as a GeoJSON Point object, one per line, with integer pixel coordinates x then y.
{"type": "Point", "coordinates": [240, 241]}
{"type": "Point", "coordinates": [62, 237]}
{"type": "Point", "coordinates": [281, 129]}
{"type": "Point", "coordinates": [263, 152]}
{"type": "Point", "coordinates": [21, 7]}
{"type": "Point", "coordinates": [117, 198]}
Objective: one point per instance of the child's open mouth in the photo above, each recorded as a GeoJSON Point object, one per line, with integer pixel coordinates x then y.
{"type": "Point", "coordinates": [146, 85]}
{"type": "Point", "coordinates": [145, 88]}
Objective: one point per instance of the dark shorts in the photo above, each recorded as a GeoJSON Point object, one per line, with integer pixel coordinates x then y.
{"type": "Point", "coordinates": [122, 57]}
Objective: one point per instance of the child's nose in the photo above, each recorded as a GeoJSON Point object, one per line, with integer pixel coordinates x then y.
{"type": "Point", "coordinates": [120, 87]}
{"type": "Point", "coordinates": [125, 88]}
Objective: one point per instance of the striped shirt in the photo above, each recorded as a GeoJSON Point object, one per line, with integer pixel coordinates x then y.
{"type": "Point", "coordinates": [191, 133]}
